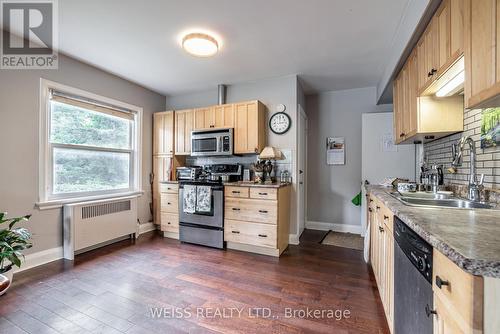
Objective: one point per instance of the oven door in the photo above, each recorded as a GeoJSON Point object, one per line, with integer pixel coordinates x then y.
{"type": "Point", "coordinates": [214, 218]}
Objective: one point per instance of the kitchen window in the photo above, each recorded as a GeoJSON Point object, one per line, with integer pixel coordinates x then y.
{"type": "Point", "coordinates": [89, 146]}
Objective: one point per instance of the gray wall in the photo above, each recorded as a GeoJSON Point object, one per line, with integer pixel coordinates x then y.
{"type": "Point", "coordinates": [19, 110]}
{"type": "Point", "coordinates": [271, 92]}
{"type": "Point", "coordinates": [488, 160]}
{"type": "Point", "coordinates": [331, 188]}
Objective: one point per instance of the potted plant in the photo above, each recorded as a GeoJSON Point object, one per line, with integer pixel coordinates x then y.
{"type": "Point", "coordinates": [13, 240]}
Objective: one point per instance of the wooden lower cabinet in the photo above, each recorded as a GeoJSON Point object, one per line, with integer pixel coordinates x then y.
{"type": "Point", "coordinates": [382, 254]}
{"type": "Point", "coordinates": [169, 210]}
{"type": "Point", "coordinates": [458, 298]}
{"type": "Point", "coordinates": [256, 219]}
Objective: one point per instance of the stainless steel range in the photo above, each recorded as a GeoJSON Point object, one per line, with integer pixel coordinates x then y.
{"type": "Point", "coordinates": [201, 202]}
{"type": "Point", "coordinates": [203, 227]}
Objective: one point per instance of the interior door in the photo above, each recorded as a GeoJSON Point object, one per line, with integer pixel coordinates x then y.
{"type": "Point", "coordinates": [302, 165]}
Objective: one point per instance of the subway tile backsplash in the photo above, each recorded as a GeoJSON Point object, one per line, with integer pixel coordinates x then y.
{"type": "Point", "coordinates": [488, 160]}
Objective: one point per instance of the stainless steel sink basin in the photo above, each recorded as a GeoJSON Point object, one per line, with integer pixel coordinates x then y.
{"type": "Point", "coordinates": [456, 203]}
{"type": "Point", "coordinates": [426, 195]}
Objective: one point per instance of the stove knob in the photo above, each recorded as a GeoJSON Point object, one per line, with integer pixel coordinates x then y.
{"type": "Point", "coordinates": [421, 264]}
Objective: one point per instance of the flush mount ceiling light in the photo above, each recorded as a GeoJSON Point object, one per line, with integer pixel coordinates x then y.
{"type": "Point", "coordinates": [200, 44]}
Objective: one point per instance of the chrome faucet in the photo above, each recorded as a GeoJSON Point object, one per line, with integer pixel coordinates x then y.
{"type": "Point", "coordinates": [475, 187]}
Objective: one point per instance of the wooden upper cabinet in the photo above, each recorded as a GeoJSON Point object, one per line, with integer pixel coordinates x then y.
{"type": "Point", "coordinates": [184, 124]}
{"type": "Point", "coordinates": [219, 116]}
{"type": "Point", "coordinates": [428, 54]}
{"type": "Point", "coordinates": [224, 116]}
{"type": "Point", "coordinates": [456, 28]}
{"type": "Point", "coordinates": [163, 134]}
{"type": "Point", "coordinates": [398, 110]}
{"type": "Point", "coordinates": [249, 127]}
{"type": "Point", "coordinates": [204, 118]}
{"type": "Point", "coordinates": [405, 100]}
{"type": "Point", "coordinates": [443, 18]}
{"type": "Point", "coordinates": [450, 22]}
{"type": "Point", "coordinates": [482, 51]}
{"type": "Point", "coordinates": [411, 117]}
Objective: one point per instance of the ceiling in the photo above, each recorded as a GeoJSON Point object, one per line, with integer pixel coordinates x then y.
{"type": "Point", "coordinates": [331, 44]}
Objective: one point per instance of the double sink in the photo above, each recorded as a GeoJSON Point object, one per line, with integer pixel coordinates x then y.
{"type": "Point", "coordinates": [438, 200]}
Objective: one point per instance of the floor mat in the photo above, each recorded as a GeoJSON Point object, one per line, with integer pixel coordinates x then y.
{"type": "Point", "coordinates": [346, 240]}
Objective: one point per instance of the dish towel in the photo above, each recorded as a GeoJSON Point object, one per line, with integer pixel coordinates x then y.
{"type": "Point", "coordinates": [189, 199]}
{"type": "Point", "coordinates": [203, 199]}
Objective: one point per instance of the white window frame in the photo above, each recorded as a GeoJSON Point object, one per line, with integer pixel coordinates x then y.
{"type": "Point", "coordinates": [46, 199]}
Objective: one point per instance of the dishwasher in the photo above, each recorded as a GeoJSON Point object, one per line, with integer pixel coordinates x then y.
{"type": "Point", "coordinates": [413, 300]}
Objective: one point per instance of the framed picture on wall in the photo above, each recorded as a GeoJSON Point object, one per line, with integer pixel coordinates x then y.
{"type": "Point", "coordinates": [490, 127]}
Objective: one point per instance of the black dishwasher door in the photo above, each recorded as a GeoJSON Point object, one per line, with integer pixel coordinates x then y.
{"type": "Point", "coordinates": [413, 298]}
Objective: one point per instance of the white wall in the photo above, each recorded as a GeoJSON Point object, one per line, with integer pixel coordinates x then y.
{"type": "Point", "coordinates": [331, 188]}
{"type": "Point", "coordinates": [271, 92]}
{"type": "Point", "coordinates": [19, 94]}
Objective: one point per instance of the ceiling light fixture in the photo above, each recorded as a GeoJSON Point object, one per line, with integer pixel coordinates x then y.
{"type": "Point", "coordinates": [200, 45]}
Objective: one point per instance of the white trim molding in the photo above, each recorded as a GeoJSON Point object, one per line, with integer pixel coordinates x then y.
{"type": "Point", "coordinates": [323, 226]}
{"type": "Point", "coordinates": [39, 258]}
{"type": "Point", "coordinates": [293, 239]}
{"type": "Point", "coordinates": [146, 227]}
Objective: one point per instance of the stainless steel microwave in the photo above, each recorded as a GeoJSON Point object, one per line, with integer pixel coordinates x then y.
{"type": "Point", "coordinates": [214, 142]}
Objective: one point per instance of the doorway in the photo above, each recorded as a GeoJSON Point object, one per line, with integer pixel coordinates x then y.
{"type": "Point", "coordinates": [302, 169]}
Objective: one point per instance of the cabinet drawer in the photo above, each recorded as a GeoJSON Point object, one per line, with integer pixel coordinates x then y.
{"type": "Point", "coordinates": [250, 233]}
{"type": "Point", "coordinates": [169, 203]}
{"type": "Point", "coordinates": [169, 222]}
{"type": "Point", "coordinates": [171, 188]}
{"type": "Point", "coordinates": [461, 292]}
{"type": "Point", "coordinates": [264, 193]}
{"type": "Point", "coordinates": [251, 210]}
{"type": "Point", "coordinates": [238, 192]}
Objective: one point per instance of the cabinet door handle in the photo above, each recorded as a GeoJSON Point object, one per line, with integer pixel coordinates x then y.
{"type": "Point", "coordinates": [440, 282]}
{"type": "Point", "coordinates": [263, 211]}
{"type": "Point", "coordinates": [371, 200]}
{"type": "Point", "coordinates": [370, 209]}
{"type": "Point", "coordinates": [377, 207]}
{"type": "Point", "coordinates": [263, 194]}
{"type": "Point", "coordinates": [428, 311]}
{"type": "Point", "coordinates": [402, 135]}
{"type": "Point", "coordinates": [381, 229]}
{"type": "Point", "coordinates": [235, 232]}
{"type": "Point", "coordinates": [386, 217]}
{"type": "Point", "coordinates": [168, 223]}
{"type": "Point", "coordinates": [235, 192]}
{"type": "Point", "coordinates": [236, 209]}
{"type": "Point", "coordinates": [168, 203]}
{"type": "Point", "coordinates": [263, 235]}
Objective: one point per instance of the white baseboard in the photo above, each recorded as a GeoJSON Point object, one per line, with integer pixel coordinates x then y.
{"type": "Point", "coordinates": [293, 239]}
{"type": "Point", "coordinates": [322, 226]}
{"type": "Point", "coordinates": [39, 258]}
{"type": "Point", "coordinates": [147, 227]}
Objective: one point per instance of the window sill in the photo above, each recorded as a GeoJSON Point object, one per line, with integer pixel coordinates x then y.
{"type": "Point", "coordinates": [57, 204]}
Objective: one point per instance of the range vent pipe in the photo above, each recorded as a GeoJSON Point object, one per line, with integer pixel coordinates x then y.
{"type": "Point", "coordinates": [221, 90]}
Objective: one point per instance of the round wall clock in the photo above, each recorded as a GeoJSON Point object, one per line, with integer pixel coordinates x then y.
{"type": "Point", "coordinates": [280, 123]}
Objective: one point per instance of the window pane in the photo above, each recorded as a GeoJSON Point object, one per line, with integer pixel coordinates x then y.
{"type": "Point", "coordinates": [74, 125]}
{"type": "Point", "coordinates": [86, 171]}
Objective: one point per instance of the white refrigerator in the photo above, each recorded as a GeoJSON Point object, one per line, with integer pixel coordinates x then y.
{"type": "Point", "coordinates": [381, 159]}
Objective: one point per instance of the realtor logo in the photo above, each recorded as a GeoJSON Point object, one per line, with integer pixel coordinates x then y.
{"type": "Point", "coordinates": [29, 34]}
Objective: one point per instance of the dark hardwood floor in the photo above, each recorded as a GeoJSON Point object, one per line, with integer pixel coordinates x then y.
{"type": "Point", "coordinates": [113, 290]}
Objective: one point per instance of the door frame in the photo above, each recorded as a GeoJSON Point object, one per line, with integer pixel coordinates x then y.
{"type": "Point", "coordinates": [301, 113]}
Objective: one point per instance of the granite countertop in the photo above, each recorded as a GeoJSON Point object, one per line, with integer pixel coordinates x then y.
{"type": "Point", "coordinates": [256, 185]}
{"type": "Point", "coordinates": [469, 238]}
